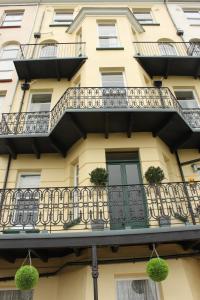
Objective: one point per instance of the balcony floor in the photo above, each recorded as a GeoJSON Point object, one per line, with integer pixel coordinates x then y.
{"type": "Point", "coordinates": [76, 124]}
{"type": "Point", "coordinates": [62, 244]}
{"type": "Point", "coordinates": [170, 65]}
{"type": "Point", "coordinates": [28, 69]}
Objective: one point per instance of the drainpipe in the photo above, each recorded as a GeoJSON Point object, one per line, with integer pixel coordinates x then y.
{"type": "Point", "coordinates": [169, 13]}
{"type": "Point", "coordinates": [7, 172]}
{"type": "Point", "coordinates": [25, 87]}
{"type": "Point", "coordinates": [95, 273]}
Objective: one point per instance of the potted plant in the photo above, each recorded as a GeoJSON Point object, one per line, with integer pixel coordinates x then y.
{"type": "Point", "coordinates": [26, 277]}
{"type": "Point", "coordinates": [154, 175]}
{"type": "Point", "coordinates": [98, 177]}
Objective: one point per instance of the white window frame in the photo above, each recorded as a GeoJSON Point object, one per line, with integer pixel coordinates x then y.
{"type": "Point", "coordinates": [108, 23]}
{"type": "Point", "coordinates": [14, 13]}
{"type": "Point", "coordinates": [64, 22]}
{"type": "Point", "coordinates": [39, 93]}
{"type": "Point", "coordinates": [188, 90]}
{"type": "Point", "coordinates": [137, 278]}
{"type": "Point", "coordinates": [7, 71]}
{"type": "Point", "coordinates": [144, 12]}
{"type": "Point", "coordinates": [196, 20]}
{"type": "Point", "coordinates": [113, 73]}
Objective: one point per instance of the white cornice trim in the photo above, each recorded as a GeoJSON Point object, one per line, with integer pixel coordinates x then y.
{"type": "Point", "coordinates": [109, 11]}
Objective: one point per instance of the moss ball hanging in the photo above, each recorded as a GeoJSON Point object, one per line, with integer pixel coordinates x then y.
{"type": "Point", "coordinates": [157, 269]}
{"type": "Point", "coordinates": [26, 277]}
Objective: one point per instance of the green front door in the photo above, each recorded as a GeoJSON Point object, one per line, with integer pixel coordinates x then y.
{"type": "Point", "coordinates": [127, 205]}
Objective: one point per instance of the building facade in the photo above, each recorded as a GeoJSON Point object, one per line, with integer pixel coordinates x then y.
{"type": "Point", "coordinates": [111, 85]}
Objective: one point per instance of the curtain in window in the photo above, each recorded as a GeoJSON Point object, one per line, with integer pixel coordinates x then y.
{"type": "Point", "coordinates": [16, 295]}
{"type": "Point", "coordinates": [136, 290]}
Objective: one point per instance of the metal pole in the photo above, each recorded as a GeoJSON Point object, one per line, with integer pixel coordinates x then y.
{"type": "Point", "coordinates": [185, 188]}
{"type": "Point", "coordinates": [95, 272]}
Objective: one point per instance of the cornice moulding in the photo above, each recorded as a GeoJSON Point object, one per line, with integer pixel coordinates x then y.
{"type": "Point", "coordinates": [109, 11]}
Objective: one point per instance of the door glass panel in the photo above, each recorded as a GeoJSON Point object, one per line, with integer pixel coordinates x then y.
{"type": "Point", "coordinates": [115, 177]}
{"type": "Point", "coordinates": [39, 123]}
{"type": "Point", "coordinates": [26, 206]}
{"type": "Point", "coordinates": [132, 176]}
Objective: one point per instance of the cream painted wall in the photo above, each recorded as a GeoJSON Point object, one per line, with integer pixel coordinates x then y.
{"type": "Point", "coordinates": [90, 153]}
{"type": "Point", "coordinates": [15, 35]}
{"type": "Point", "coordinates": [179, 18]}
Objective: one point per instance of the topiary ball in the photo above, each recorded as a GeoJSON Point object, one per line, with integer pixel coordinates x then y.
{"type": "Point", "coordinates": [26, 277]}
{"type": "Point", "coordinates": [157, 269]}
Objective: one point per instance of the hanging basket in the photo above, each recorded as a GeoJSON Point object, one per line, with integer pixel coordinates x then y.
{"type": "Point", "coordinates": [26, 277]}
{"type": "Point", "coordinates": [157, 269]}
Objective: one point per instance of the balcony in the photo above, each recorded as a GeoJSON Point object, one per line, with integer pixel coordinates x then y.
{"type": "Point", "coordinates": [57, 60]}
{"type": "Point", "coordinates": [142, 213]}
{"type": "Point", "coordinates": [169, 58]}
{"type": "Point", "coordinates": [100, 110]}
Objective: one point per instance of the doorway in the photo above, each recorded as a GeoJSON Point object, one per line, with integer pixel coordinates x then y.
{"type": "Point", "coordinates": [127, 204]}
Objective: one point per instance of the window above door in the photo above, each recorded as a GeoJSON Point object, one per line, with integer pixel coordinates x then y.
{"type": "Point", "coordinates": [112, 79]}
{"type": "Point", "coordinates": [40, 102]}
{"type": "Point", "coordinates": [187, 98]}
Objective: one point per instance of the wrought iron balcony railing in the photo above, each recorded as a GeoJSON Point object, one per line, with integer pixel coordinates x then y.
{"type": "Point", "coordinates": [91, 208]}
{"type": "Point", "coordinates": [168, 58]}
{"type": "Point", "coordinates": [95, 99]}
{"type": "Point", "coordinates": [51, 50]}
{"type": "Point", "coordinates": [191, 49]}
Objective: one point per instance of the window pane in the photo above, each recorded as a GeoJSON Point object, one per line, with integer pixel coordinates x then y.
{"type": "Point", "coordinates": [112, 80]}
{"type": "Point", "coordinates": [12, 19]}
{"type": "Point", "coordinates": [63, 17]}
{"type": "Point", "coordinates": [16, 295]}
{"type": "Point", "coordinates": [136, 290]}
{"type": "Point", "coordinates": [40, 102]}
{"type": "Point", "coordinates": [107, 30]}
{"type": "Point", "coordinates": [192, 14]}
{"type": "Point", "coordinates": [10, 51]}
{"type": "Point", "coordinates": [144, 17]}
{"type": "Point", "coordinates": [6, 65]}
{"type": "Point", "coordinates": [186, 99]}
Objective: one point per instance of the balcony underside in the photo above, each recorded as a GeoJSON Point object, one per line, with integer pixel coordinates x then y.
{"type": "Point", "coordinates": [45, 246]}
{"type": "Point", "coordinates": [48, 68]}
{"type": "Point", "coordinates": [76, 124]}
{"type": "Point", "coordinates": [170, 65]}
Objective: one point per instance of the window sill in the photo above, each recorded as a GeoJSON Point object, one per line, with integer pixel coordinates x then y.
{"type": "Point", "coordinates": [150, 24]}
{"type": "Point", "coordinates": [7, 27]}
{"type": "Point", "coordinates": [195, 24]}
{"type": "Point", "coordinates": [110, 48]}
{"type": "Point", "coordinates": [59, 25]}
{"type": "Point", "coordinates": [5, 80]}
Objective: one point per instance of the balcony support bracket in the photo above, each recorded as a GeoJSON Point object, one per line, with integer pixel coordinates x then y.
{"type": "Point", "coordinates": [57, 146]}
{"type": "Point", "coordinates": [77, 126]}
{"type": "Point", "coordinates": [130, 125]}
{"type": "Point", "coordinates": [11, 148]}
{"type": "Point", "coordinates": [181, 141]}
{"type": "Point", "coordinates": [106, 124]}
{"type": "Point", "coordinates": [35, 148]}
{"type": "Point", "coordinates": [163, 125]}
